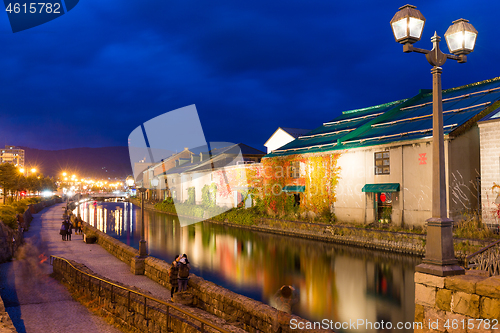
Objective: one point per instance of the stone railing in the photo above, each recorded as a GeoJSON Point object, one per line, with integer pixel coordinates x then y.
{"type": "Point", "coordinates": [253, 315]}
{"type": "Point", "coordinates": [129, 307]}
{"type": "Point", "coordinates": [463, 303]}
{"type": "Point", "coordinates": [486, 259]}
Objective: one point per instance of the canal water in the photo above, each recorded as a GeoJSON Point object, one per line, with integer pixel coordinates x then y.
{"type": "Point", "coordinates": [333, 282]}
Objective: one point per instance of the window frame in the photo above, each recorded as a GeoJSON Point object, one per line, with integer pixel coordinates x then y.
{"type": "Point", "coordinates": [382, 168]}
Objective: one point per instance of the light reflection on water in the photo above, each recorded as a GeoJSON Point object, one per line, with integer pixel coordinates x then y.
{"type": "Point", "coordinates": [334, 282]}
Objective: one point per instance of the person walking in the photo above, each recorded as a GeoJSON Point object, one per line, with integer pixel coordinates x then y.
{"type": "Point", "coordinates": [69, 231]}
{"type": "Point", "coordinates": [62, 230]}
{"type": "Point", "coordinates": [79, 225]}
{"type": "Point", "coordinates": [173, 277]}
{"type": "Point", "coordinates": [184, 268]}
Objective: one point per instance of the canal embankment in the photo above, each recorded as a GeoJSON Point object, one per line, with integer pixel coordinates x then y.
{"type": "Point", "coordinates": [238, 310]}
{"type": "Point", "coordinates": [364, 237]}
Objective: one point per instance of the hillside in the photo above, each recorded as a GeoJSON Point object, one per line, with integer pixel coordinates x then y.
{"type": "Point", "coordinates": [102, 163]}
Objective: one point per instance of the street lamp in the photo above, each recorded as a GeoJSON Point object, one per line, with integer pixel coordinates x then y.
{"type": "Point", "coordinates": [407, 25]}
{"type": "Point", "coordinates": [155, 181]}
{"type": "Point", "coordinates": [142, 243]}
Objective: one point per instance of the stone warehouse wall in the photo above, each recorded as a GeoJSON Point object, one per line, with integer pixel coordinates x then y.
{"type": "Point", "coordinates": [464, 303]}
{"type": "Point", "coordinates": [253, 315]}
{"type": "Point", "coordinates": [128, 311]}
{"type": "Point", "coordinates": [490, 170]}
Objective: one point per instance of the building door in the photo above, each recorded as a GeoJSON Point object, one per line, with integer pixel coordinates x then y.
{"type": "Point", "coordinates": [384, 207]}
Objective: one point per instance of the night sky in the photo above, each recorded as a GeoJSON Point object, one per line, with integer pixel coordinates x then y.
{"type": "Point", "coordinates": [91, 76]}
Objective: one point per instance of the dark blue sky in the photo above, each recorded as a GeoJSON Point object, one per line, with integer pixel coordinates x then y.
{"type": "Point", "coordinates": [91, 76]}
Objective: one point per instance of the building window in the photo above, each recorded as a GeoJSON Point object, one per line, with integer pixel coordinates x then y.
{"type": "Point", "coordinates": [382, 163]}
{"type": "Point", "coordinates": [295, 170]}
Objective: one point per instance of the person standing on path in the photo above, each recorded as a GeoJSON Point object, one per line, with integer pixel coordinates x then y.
{"type": "Point", "coordinates": [62, 230]}
{"type": "Point", "coordinates": [184, 268]}
{"type": "Point", "coordinates": [173, 276]}
{"type": "Point", "coordinates": [69, 231]}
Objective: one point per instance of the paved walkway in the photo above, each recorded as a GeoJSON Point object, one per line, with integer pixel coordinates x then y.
{"type": "Point", "coordinates": [37, 302]}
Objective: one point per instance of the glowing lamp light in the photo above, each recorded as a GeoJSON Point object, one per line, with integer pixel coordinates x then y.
{"type": "Point", "coordinates": [155, 181]}
{"type": "Point", "coordinates": [407, 25]}
{"type": "Point", "coordinates": [21, 170]}
{"type": "Point", "coordinates": [461, 37]}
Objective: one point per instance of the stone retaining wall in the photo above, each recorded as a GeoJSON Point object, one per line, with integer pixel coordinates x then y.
{"type": "Point", "coordinates": [255, 316]}
{"type": "Point", "coordinates": [457, 303]}
{"type": "Point", "coordinates": [11, 240]}
{"type": "Point", "coordinates": [6, 325]}
{"type": "Point", "coordinates": [126, 312]}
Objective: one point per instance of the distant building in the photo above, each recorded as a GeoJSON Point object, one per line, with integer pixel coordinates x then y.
{"type": "Point", "coordinates": [489, 133]}
{"type": "Point", "coordinates": [229, 168]}
{"type": "Point", "coordinates": [282, 136]}
{"type": "Point", "coordinates": [12, 154]}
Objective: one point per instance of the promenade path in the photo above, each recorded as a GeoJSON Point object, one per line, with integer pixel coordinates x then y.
{"type": "Point", "coordinates": [38, 303]}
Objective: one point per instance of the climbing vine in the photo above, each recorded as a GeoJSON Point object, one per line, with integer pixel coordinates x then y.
{"type": "Point", "coordinates": [209, 195]}
{"type": "Point", "coordinates": [191, 200]}
{"type": "Point", "coordinates": [497, 212]}
{"type": "Point", "coordinates": [318, 174]}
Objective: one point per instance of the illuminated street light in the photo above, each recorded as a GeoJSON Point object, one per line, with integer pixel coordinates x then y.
{"type": "Point", "coordinates": [407, 25]}
{"type": "Point", "coordinates": [155, 182]}
{"type": "Point", "coordinates": [461, 37]}
{"type": "Point", "coordinates": [143, 252]}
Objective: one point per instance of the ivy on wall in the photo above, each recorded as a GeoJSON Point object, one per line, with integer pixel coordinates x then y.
{"type": "Point", "coordinates": [191, 200]}
{"type": "Point", "coordinates": [209, 195]}
{"type": "Point", "coordinates": [318, 173]}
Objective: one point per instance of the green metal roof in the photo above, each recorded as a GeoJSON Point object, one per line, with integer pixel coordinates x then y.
{"type": "Point", "coordinates": [379, 188]}
{"type": "Point", "coordinates": [402, 120]}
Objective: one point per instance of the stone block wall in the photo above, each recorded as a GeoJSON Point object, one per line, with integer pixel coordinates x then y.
{"type": "Point", "coordinates": [464, 303]}
{"type": "Point", "coordinates": [131, 312]}
{"type": "Point", "coordinates": [10, 240]}
{"type": "Point", "coordinates": [223, 303]}
{"type": "Point", "coordinates": [121, 251]}
{"type": "Point", "coordinates": [255, 316]}
{"type": "Point", "coordinates": [6, 325]}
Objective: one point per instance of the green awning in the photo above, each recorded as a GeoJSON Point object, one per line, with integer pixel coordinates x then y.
{"type": "Point", "coordinates": [379, 188]}
{"type": "Point", "coordinates": [294, 188]}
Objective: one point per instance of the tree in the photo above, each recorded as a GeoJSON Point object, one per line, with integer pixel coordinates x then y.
{"type": "Point", "coordinates": [9, 175]}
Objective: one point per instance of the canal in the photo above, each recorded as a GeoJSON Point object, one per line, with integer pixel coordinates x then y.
{"type": "Point", "coordinates": [333, 282]}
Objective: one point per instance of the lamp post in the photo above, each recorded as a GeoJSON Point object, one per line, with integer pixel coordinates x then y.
{"type": "Point", "coordinates": [142, 243]}
{"type": "Point", "coordinates": [407, 25]}
{"type": "Point", "coordinates": [155, 182]}
{"type": "Point", "coordinates": [143, 252]}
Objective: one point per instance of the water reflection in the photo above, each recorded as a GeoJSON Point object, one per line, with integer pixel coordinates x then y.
{"type": "Point", "coordinates": [333, 282]}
